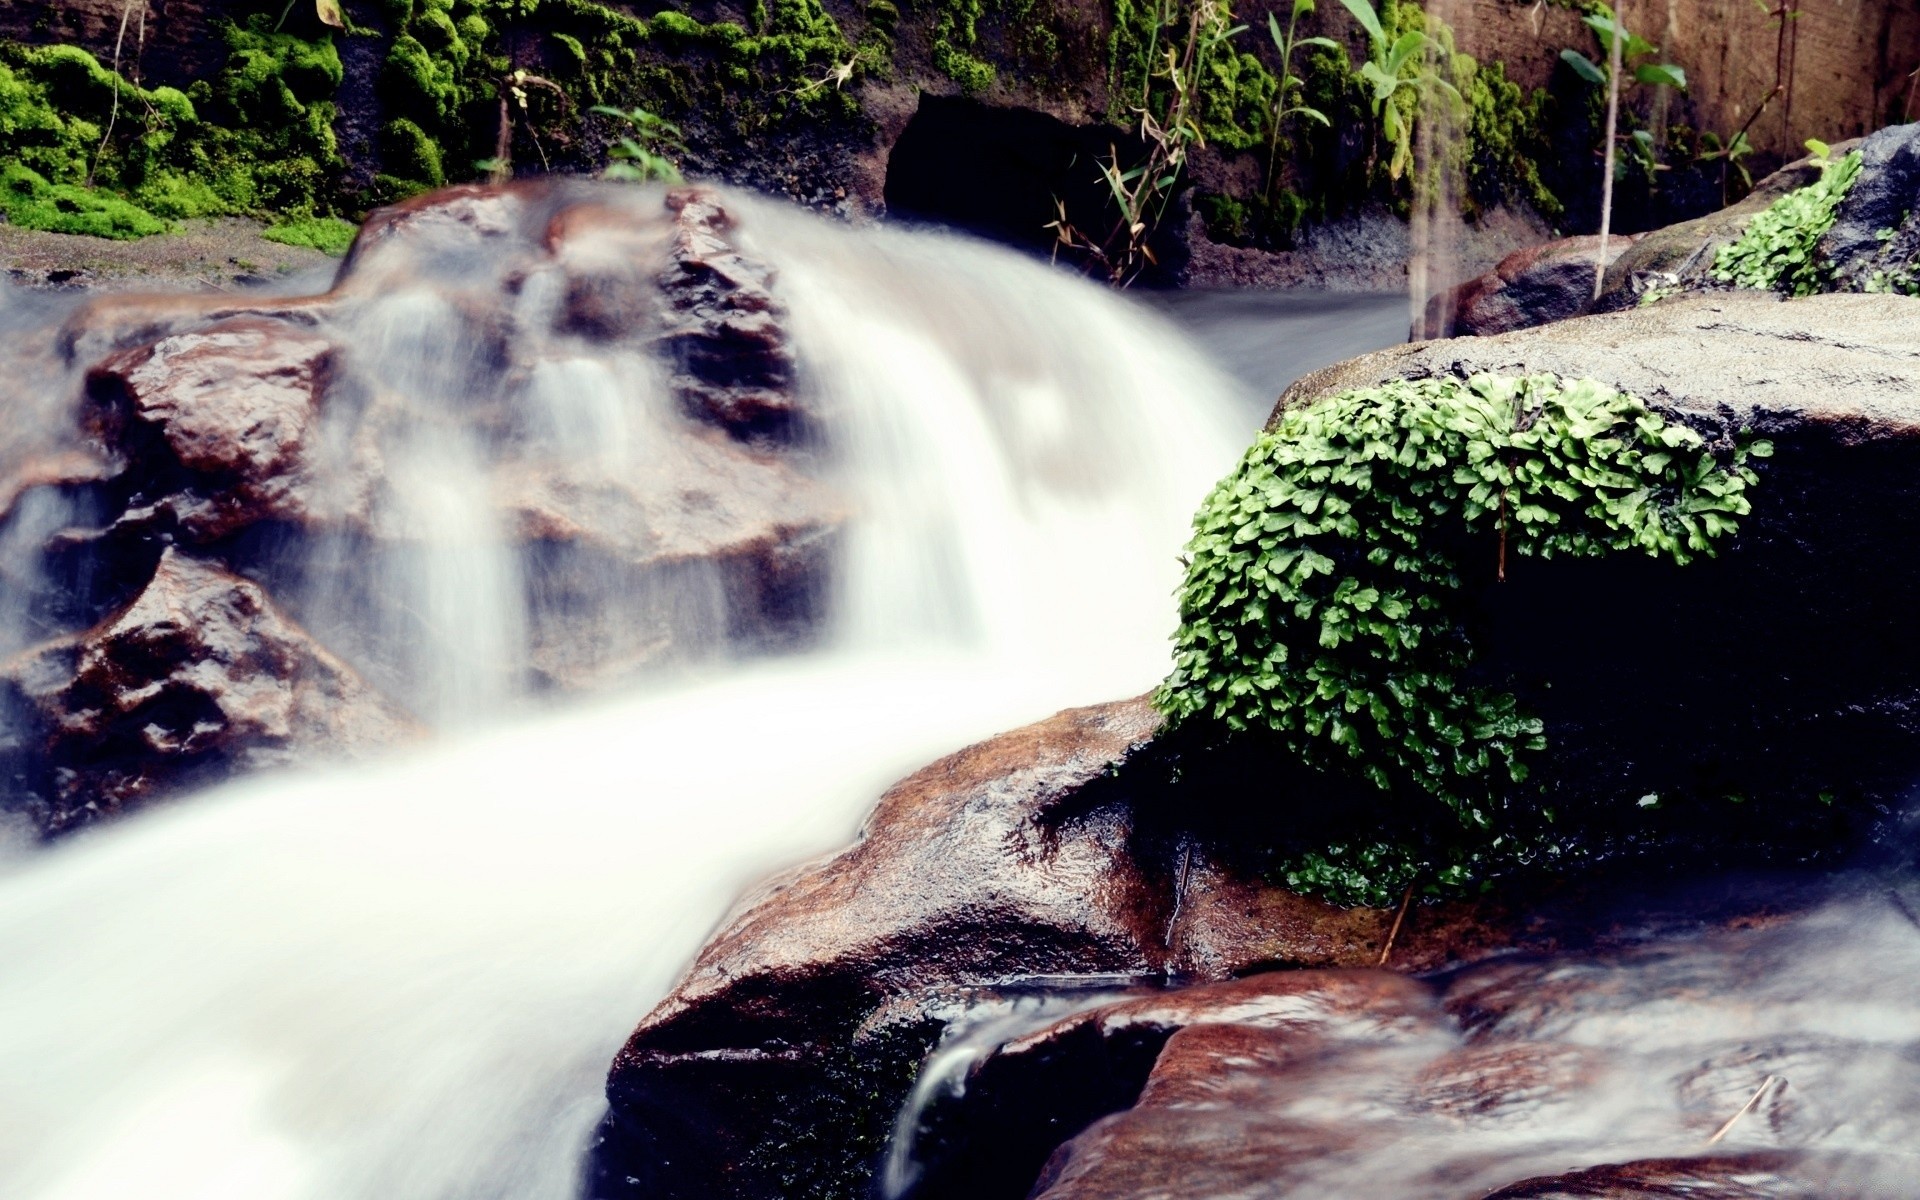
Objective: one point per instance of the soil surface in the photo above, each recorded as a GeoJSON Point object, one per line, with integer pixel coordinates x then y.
{"type": "Point", "coordinates": [217, 254]}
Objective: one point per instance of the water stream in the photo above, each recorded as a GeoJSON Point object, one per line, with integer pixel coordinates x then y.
{"type": "Point", "coordinates": [405, 979]}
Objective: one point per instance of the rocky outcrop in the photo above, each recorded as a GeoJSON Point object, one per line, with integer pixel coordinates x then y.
{"type": "Point", "coordinates": [1730, 677]}
{"type": "Point", "coordinates": [198, 676]}
{"type": "Point", "coordinates": [774, 1068]}
{"type": "Point", "coordinates": [228, 480]}
{"type": "Point", "coordinates": [1874, 242]}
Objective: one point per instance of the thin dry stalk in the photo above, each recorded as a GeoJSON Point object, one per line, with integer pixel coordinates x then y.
{"type": "Point", "coordinates": [1765, 1085]}
{"type": "Point", "coordinates": [113, 113]}
{"type": "Point", "coordinates": [1614, 52]}
{"type": "Point", "coordinates": [1406, 899]}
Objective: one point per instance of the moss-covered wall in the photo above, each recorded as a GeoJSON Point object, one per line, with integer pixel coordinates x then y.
{"type": "Point", "coordinates": [252, 106]}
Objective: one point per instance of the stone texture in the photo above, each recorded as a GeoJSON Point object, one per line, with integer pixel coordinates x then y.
{"type": "Point", "coordinates": [723, 328]}
{"type": "Point", "coordinates": [234, 406]}
{"type": "Point", "coordinates": [1548, 282]}
{"type": "Point", "coordinates": [198, 675]}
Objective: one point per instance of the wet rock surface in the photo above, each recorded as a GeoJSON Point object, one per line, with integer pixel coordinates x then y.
{"type": "Point", "coordinates": [199, 675]}
{"type": "Point", "coordinates": [251, 464]}
{"type": "Point", "coordinates": [1014, 868]}
{"type": "Point", "coordinates": [1686, 1069]}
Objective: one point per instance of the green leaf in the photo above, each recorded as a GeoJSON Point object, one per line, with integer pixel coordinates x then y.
{"type": "Point", "coordinates": [1363, 12]}
{"type": "Point", "coordinates": [1665, 74]}
{"type": "Point", "coordinates": [1584, 67]}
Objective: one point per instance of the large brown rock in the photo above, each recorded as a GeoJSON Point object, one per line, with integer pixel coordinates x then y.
{"type": "Point", "coordinates": [501, 342]}
{"type": "Point", "coordinates": [776, 1064]}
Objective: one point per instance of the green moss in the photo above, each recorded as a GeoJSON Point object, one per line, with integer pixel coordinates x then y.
{"type": "Point", "coordinates": [1505, 138]}
{"type": "Point", "coordinates": [31, 202]}
{"type": "Point", "coordinates": [329, 235]}
{"type": "Point", "coordinates": [1325, 605]}
{"type": "Point", "coordinates": [411, 154]}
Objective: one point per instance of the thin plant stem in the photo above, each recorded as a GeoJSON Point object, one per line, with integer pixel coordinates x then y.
{"type": "Point", "coordinates": [113, 114]}
{"type": "Point", "coordinates": [1386, 951]}
{"type": "Point", "coordinates": [1614, 52]}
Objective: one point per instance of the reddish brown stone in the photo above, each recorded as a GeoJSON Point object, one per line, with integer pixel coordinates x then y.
{"type": "Point", "coordinates": [1548, 282]}
{"type": "Point", "coordinates": [199, 670]}
{"type": "Point", "coordinates": [234, 404]}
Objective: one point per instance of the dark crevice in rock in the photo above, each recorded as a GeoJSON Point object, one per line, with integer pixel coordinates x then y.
{"type": "Point", "coordinates": [1005, 173]}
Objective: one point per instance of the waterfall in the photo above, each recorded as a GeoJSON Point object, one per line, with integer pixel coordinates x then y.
{"type": "Point", "coordinates": [404, 979]}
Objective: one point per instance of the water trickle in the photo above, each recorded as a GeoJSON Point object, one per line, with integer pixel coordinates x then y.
{"type": "Point", "coordinates": [405, 979]}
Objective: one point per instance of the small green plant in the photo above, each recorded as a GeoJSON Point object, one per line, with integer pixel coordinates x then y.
{"type": "Point", "coordinates": [1634, 51]}
{"type": "Point", "coordinates": [642, 154]}
{"type": "Point", "coordinates": [1286, 101]}
{"type": "Point", "coordinates": [1622, 50]}
{"type": "Point", "coordinates": [1324, 602]}
{"type": "Point", "coordinates": [1400, 75]}
{"type": "Point", "coordinates": [1170, 127]}
{"type": "Point", "coordinates": [1776, 253]}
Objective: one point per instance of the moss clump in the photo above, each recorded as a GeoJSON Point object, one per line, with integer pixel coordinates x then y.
{"type": "Point", "coordinates": [1505, 139]}
{"type": "Point", "coordinates": [328, 235]}
{"type": "Point", "coordinates": [256, 138]}
{"type": "Point", "coordinates": [30, 202]}
{"type": "Point", "coordinates": [1776, 253]}
{"type": "Point", "coordinates": [1324, 604]}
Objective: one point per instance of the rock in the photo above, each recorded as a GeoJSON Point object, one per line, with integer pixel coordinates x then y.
{"type": "Point", "coordinates": [1682, 255]}
{"type": "Point", "coordinates": [1549, 282]}
{"type": "Point", "coordinates": [984, 866]}
{"type": "Point", "coordinates": [994, 1136]}
{"type": "Point", "coordinates": [723, 327]}
{"type": "Point", "coordinates": [1727, 677]}
{"type": "Point", "coordinates": [200, 674]}
{"type": "Point", "coordinates": [1876, 230]}
{"type": "Point", "coordinates": [776, 1064]}
{"type": "Point", "coordinates": [234, 406]}
{"type": "Point", "coordinates": [1359, 1083]}
{"type": "Point", "coordinates": [504, 343]}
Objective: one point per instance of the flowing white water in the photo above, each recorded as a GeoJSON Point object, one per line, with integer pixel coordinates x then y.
{"type": "Point", "coordinates": [404, 981]}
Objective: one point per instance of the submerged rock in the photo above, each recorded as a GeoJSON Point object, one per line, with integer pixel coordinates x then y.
{"type": "Point", "coordinates": [490, 367]}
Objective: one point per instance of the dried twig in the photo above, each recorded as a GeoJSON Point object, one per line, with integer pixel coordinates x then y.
{"type": "Point", "coordinates": [113, 114]}
{"type": "Point", "coordinates": [1765, 1085]}
{"type": "Point", "coordinates": [1406, 898]}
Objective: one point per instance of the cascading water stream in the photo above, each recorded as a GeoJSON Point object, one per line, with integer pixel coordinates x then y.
{"type": "Point", "coordinates": [405, 979]}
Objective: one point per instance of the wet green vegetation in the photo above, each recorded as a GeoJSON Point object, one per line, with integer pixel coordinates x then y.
{"type": "Point", "coordinates": [1327, 605]}
{"type": "Point", "coordinates": [467, 89]}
